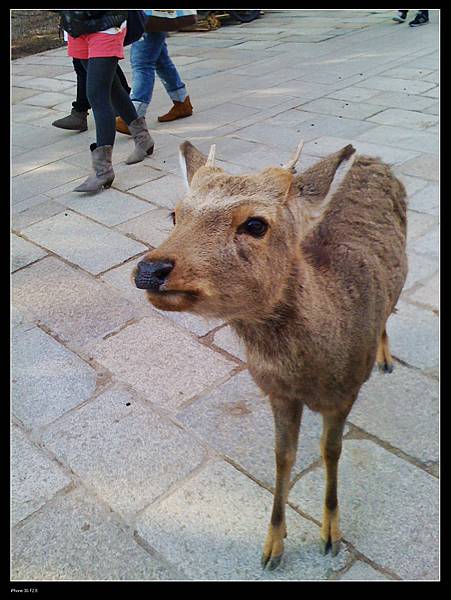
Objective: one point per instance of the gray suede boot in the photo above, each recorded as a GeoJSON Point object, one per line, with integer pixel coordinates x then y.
{"type": "Point", "coordinates": [103, 170]}
{"type": "Point", "coordinates": [144, 143]}
{"type": "Point", "coordinates": [76, 121]}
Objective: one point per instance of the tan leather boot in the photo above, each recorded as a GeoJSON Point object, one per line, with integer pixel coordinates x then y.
{"type": "Point", "coordinates": [178, 111]}
{"type": "Point", "coordinates": [121, 126]}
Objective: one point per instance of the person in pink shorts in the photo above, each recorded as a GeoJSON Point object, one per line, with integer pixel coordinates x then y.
{"type": "Point", "coordinates": [96, 38]}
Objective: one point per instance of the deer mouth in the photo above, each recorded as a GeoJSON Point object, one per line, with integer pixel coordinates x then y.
{"type": "Point", "coordinates": [175, 300]}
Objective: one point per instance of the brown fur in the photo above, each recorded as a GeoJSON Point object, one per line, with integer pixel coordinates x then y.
{"type": "Point", "coordinates": [310, 299]}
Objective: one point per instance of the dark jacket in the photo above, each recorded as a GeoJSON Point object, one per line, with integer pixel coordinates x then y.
{"type": "Point", "coordinates": [79, 22]}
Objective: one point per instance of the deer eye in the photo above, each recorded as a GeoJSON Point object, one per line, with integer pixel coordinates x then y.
{"type": "Point", "coordinates": [255, 227]}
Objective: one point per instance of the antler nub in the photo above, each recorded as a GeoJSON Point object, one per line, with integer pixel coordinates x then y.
{"type": "Point", "coordinates": [290, 166]}
{"type": "Point", "coordinates": [211, 156]}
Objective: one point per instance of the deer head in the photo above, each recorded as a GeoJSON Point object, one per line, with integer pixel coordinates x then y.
{"type": "Point", "coordinates": [235, 243]}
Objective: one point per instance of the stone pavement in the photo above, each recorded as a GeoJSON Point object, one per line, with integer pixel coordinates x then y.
{"type": "Point", "coordinates": [141, 449]}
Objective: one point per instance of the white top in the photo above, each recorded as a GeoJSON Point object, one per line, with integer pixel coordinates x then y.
{"type": "Point", "coordinates": [111, 30]}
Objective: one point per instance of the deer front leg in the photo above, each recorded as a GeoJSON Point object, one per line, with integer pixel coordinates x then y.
{"type": "Point", "coordinates": [331, 442]}
{"type": "Point", "coordinates": [287, 419]}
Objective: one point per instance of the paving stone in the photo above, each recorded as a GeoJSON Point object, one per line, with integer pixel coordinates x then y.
{"type": "Point", "coordinates": [427, 244]}
{"type": "Point", "coordinates": [354, 94]}
{"type": "Point", "coordinates": [165, 191]}
{"type": "Point", "coordinates": [421, 141]}
{"type": "Point", "coordinates": [428, 293]}
{"type": "Point", "coordinates": [412, 184]}
{"type": "Point", "coordinates": [351, 110]}
{"type": "Point", "coordinates": [325, 145]}
{"type": "Point", "coordinates": [226, 339]}
{"type": "Point", "coordinates": [425, 166]}
{"type": "Point", "coordinates": [34, 477]}
{"type": "Point", "coordinates": [401, 100]}
{"type": "Point", "coordinates": [214, 527]}
{"type": "Point", "coordinates": [236, 420]}
{"type": "Point", "coordinates": [406, 118]}
{"type": "Point", "coordinates": [20, 94]}
{"type": "Point", "coordinates": [128, 177]}
{"type": "Point", "coordinates": [69, 302]}
{"type": "Point", "coordinates": [418, 224]}
{"type": "Point", "coordinates": [31, 215]}
{"type": "Point", "coordinates": [31, 202]}
{"type": "Point", "coordinates": [420, 268]}
{"type": "Point", "coordinates": [409, 73]}
{"type": "Point", "coordinates": [401, 409]}
{"type": "Point", "coordinates": [200, 326]}
{"type": "Point", "coordinates": [23, 253]}
{"type": "Point", "coordinates": [153, 227]}
{"type": "Point", "coordinates": [388, 508]}
{"type": "Point", "coordinates": [43, 179]}
{"type": "Point", "coordinates": [82, 242]}
{"type": "Point", "coordinates": [161, 361]}
{"type": "Point", "coordinates": [57, 150]}
{"type": "Point", "coordinates": [414, 336]}
{"type": "Point", "coordinates": [47, 99]}
{"type": "Point", "coordinates": [47, 379]}
{"type": "Point", "coordinates": [49, 84]}
{"type": "Point", "coordinates": [142, 455]}
{"type": "Point", "coordinates": [83, 541]}
{"type": "Point", "coordinates": [360, 571]}
{"type": "Point", "coordinates": [434, 93]}
{"type": "Point", "coordinates": [426, 200]}
{"type": "Point", "coordinates": [110, 208]}
{"type": "Point", "coordinates": [386, 84]}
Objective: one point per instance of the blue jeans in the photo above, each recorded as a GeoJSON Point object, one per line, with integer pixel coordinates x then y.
{"type": "Point", "coordinates": [150, 54]}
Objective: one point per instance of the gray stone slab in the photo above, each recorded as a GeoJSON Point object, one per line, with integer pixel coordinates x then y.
{"type": "Point", "coordinates": [425, 166]}
{"type": "Point", "coordinates": [47, 99]}
{"type": "Point", "coordinates": [426, 200]}
{"type": "Point", "coordinates": [325, 145]}
{"type": "Point", "coordinates": [400, 137]}
{"type": "Point", "coordinates": [412, 184]}
{"type": "Point", "coordinates": [226, 339]}
{"type": "Point", "coordinates": [35, 213]}
{"type": "Point", "coordinates": [420, 268]}
{"type": "Point", "coordinates": [404, 118]}
{"type": "Point", "coordinates": [69, 302]}
{"type": "Point", "coordinates": [401, 100]}
{"type": "Point", "coordinates": [354, 94]}
{"type": "Point", "coordinates": [24, 253]}
{"type": "Point", "coordinates": [20, 94]}
{"type": "Point", "coordinates": [401, 409]}
{"type": "Point", "coordinates": [83, 242]}
{"type": "Point", "coordinates": [44, 179]}
{"type": "Point", "coordinates": [415, 86]}
{"type": "Point", "coordinates": [214, 527]}
{"type": "Point", "coordinates": [83, 541]}
{"type": "Point", "coordinates": [128, 177]}
{"type": "Point", "coordinates": [47, 379]}
{"type": "Point", "coordinates": [161, 361]}
{"type": "Point", "coordinates": [141, 454]}
{"type": "Point", "coordinates": [153, 227]}
{"type": "Point", "coordinates": [418, 224]}
{"type": "Point", "coordinates": [388, 508]}
{"type": "Point", "coordinates": [34, 477]}
{"type": "Point", "coordinates": [49, 84]}
{"type": "Point", "coordinates": [236, 420]}
{"type": "Point", "coordinates": [111, 207]}
{"type": "Point", "coordinates": [434, 93]}
{"type": "Point", "coordinates": [428, 293]}
{"type": "Point", "coordinates": [428, 244]}
{"type": "Point", "coordinates": [165, 191]}
{"type": "Point", "coordinates": [414, 336]}
{"type": "Point", "coordinates": [342, 108]}
{"type": "Point", "coordinates": [360, 571]}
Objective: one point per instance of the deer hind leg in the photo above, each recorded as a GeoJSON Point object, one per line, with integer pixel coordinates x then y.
{"type": "Point", "coordinates": [331, 442]}
{"type": "Point", "coordinates": [287, 418]}
{"type": "Point", "coordinates": [383, 358]}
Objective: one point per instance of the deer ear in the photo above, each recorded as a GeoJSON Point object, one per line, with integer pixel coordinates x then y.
{"type": "Point", "coordinates": [191, 160]}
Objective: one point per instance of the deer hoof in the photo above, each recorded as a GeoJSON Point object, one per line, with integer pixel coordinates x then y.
{"type": "Point", "coordinates": [385, 367]}
{"type": "Point", "coordinates": [326, 545]}
{"type": "Point", "coordinates": [271, 563]}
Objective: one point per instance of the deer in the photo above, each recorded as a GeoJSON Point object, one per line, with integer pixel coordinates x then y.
{"type": "Point", "coordinates": [306, 268]}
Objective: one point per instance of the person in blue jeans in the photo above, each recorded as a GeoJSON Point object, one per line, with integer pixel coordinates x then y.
{"type": "Point", "coordinates": [149, 55]}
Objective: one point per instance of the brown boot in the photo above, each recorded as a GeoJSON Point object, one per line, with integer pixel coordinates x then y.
{"type": "Point", "coordinates": [178, 111]}
{"type": "Point", "coordinates": [122, 126]}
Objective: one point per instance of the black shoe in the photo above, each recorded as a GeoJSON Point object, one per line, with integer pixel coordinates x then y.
{"type": "Point", "coordinates": [419, 20]}
{"type": "Point", "coordinates": [401, 16]}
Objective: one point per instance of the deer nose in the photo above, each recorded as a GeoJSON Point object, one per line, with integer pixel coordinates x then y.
{"type": "Point", "coordinates": [152, 275]}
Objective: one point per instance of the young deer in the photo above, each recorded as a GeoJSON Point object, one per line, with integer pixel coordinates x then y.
{"type": "Point", "coordinates": [306, 269]}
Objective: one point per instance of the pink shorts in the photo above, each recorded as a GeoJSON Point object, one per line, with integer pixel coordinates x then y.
{"type": "Point", "coordinates": [96, 45]}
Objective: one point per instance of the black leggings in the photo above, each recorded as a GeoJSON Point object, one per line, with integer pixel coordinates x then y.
{"type": "Point", "coordinates": [107, 98]}
{"type": "Point", "coordinates": [81, 103]}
